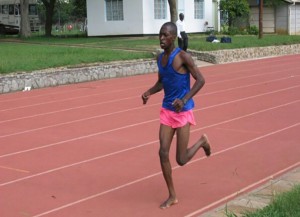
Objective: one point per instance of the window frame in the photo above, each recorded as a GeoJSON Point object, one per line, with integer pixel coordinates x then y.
{"type": "Point", "coordinates": [160, 9]}
{"type": "Point", "coordinates": [114, 10]}
{"type": "Point", "coordinates": [199, 9]}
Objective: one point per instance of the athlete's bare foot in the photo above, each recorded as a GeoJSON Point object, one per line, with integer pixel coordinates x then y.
{"type": "Point", "coordinates": [168, 203]}
{"type": "Point", "coordinates": [206, 145]}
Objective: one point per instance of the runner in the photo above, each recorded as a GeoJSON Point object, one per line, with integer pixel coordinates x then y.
{"type": "Point", "coordinates": [176, 115]}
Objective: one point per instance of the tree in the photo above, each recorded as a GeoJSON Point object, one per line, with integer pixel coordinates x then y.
{"type": "Point", "coordinates": [79, 8]}
{"type": "Point", "coordinates": [273, 3]}
{"type": "Point", "coordinates": [63, 12]}
{"type": "Point", "coordinates": [261, 9]}
{"type": "Point", "coordinates": [173, 10]}
{"type": "Point", "coordinates": [25, 30]}
{"type": "Point", "coordinates": [235, 9]}
{"type": "Point", "coordinates": [49, 8]}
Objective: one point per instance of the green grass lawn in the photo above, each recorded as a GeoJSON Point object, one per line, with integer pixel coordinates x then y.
{"type": "Point", "coordinates": [17, 57]}
{"type": "Point", "coordinates": [39, 52]}
{"type": "Point", "coordinates": [284, 205]}
{"type": "Point", "coordinates": [242, 41]}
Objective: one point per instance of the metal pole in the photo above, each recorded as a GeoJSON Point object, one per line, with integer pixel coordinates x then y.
{"type": "Point", "coordinates": [261, 9]}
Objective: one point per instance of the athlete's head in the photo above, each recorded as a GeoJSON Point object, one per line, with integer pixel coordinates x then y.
{"type": "Point", "coordinates": [167, 35]}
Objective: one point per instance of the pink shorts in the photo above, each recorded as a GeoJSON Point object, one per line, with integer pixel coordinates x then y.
{"type": "Point", "coordinates": [176, 120]}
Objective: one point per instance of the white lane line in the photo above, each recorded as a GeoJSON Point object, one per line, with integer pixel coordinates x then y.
{"type": "Point", "coordinates": [142, 107]}
{"type": "Point", "coordinates": [140, 123]}
{"type": "Point", "coordinates": [156, 141]}
{"type": "Point", "coordinates": [158, 173]}
{"type": "Point", "coordinates": [142, 79]}
{"type": "Point", "coordinates": [243, 190]}
{"type": "Point", "coordinates": [116, 91]}
{"type": "Point", "coordinates": [134, 97]}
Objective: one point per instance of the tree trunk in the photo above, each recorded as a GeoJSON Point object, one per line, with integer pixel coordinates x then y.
{"type": "Point", "coordinates": [173, 10]}
{"type": "Point", "coordinates": [261, 9]}
{"type": "Point", "coordinates": [25, 30]}
{"type": "Point", "coordinates": [49, 6]}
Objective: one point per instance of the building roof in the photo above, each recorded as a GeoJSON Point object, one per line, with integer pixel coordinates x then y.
{"type": "Point", "coordinates": [292, 1]}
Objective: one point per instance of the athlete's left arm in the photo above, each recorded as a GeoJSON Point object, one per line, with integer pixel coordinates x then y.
{"type": "Point", "coordinates": [183, 64]}
{"type": "Point", "coordinates": [189, 63]}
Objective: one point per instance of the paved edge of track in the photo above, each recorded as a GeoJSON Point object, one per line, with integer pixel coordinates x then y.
{"type": "Point", "coordinates": [258, 198]}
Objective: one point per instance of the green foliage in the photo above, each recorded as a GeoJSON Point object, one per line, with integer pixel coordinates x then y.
{"type": "Point", "coordinates": [229, 213]}
{"type": "Point", "coordinates": [79, 9]}
{"type": "Point", "coordinates": [64, 11]}
{"type": "Point", "coordinates": [233, 30]}
{"type": "Point", "coordinates": [284, 205]}
{"type": "Point", "coordinates": [273, 2]}
{"type": "Point", "coordinates": [234, 9]}
{"type": "Point", "coordinates": [41, 52]}
{"type": "Point", "coordinates": [34, 57]}
{"type": "Point", "coordinates": [253, 30]}
{"type": "Point", "coordinates": [241, 41]}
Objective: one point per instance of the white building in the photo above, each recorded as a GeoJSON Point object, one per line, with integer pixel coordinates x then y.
{"type": "Point", "coordinates": [285, 18]}
{"type": "Point", "coordinates": [145, 17]}
{"type": "Point", "coordinates": [288, 17]}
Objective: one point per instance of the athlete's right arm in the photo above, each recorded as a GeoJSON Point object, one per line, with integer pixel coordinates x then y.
{"type": "Point", "coordinates": [156, 88]}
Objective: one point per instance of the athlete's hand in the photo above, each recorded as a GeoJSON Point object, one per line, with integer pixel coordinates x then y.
{"type": "Point", "coordinates": [178, 105]}
{"type": "Point", "coordinates": [145, 97]}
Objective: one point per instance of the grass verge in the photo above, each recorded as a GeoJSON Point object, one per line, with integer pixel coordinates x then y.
{"type": "Point", "coordinates": [284, 205]}
{"type": "Point", "coordinates": [38, 53]}
{"type": "Point", "coordinates": [17, 57]}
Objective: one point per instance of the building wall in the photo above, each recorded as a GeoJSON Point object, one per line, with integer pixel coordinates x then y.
{"type": "Point", "coordinates": [268, 18]}
{"type": "Point", "coordinates": [151, 25]}
{"type": "Point", "coordinates": [294, 21]}
{"type": "Point", "coordinates": [139, 18]}
{"type": "Point", "coordinates": [197, 25]}
{"type": "Point", "coordinates": [282, 20]}
{"type": "Point", "coordinates": [98, 26]}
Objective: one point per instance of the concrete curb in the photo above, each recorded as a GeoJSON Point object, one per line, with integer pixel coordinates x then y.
{"type": "Point", "coordinates": [258, 198]}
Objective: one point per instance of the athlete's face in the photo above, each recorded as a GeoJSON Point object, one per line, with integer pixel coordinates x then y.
{"type": "Point", "coordinates": [166, 38]}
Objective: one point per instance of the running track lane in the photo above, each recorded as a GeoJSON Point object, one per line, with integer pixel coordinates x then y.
{"type": "Point", "coordinates": [90, 149]}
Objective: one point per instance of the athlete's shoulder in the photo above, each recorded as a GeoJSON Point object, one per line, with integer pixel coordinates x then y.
{"type": "Point", "coordinates": [184, 56]}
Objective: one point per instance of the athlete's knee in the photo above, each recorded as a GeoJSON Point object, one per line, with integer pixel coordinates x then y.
{"type": "Point", "coordinates": [163, 154]}
{"type": "Point", "coordinates": [180, 161]}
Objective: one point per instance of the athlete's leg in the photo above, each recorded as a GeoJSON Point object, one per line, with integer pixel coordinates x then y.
{"type": "Point", "coordinates": [184, 154]}
{"type": "Point", "coordinates": [166, 134]}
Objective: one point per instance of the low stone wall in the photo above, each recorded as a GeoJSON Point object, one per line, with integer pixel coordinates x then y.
{"type": "Point", "coordinates": [60, 76]}
{"type": "Point", "coordinates": [233, 55]}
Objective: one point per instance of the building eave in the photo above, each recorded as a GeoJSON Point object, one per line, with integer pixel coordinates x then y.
{"type": "Point", "coordinates": [292, 1]}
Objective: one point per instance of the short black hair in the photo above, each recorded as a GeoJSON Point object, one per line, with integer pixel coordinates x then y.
{"type": "Point", "coordinates": [172, 26]}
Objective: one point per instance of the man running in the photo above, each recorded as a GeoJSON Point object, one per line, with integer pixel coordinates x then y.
{"type": "Point", "coordinates": [176, 115]}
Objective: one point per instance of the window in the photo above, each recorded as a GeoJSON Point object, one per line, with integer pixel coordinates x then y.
{"type": "Point", "coordinates": [17, 10]}
{"type": "Point", "coordinates": [11, 10]}
{"type": "Point", "coordinates": [114, 10]}
{"type": "Point", "coordinates": [5, 9]}
{"type": "Point", "coordinates": [199, 9]}
{"type": "Point", "coordinates": [160, 9]}
{"type": "Point", "coordinates": [33, 9]}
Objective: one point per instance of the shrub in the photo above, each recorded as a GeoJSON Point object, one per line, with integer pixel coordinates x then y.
{"type": "Point", "coordinates": [253, 30]}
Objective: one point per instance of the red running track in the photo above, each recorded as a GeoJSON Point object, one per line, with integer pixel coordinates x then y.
{"type": "Point", "coordinates": [91, 149]}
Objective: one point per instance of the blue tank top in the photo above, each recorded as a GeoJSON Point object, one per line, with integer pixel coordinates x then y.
{"type": "Point", "coordinates": [175, 84]}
